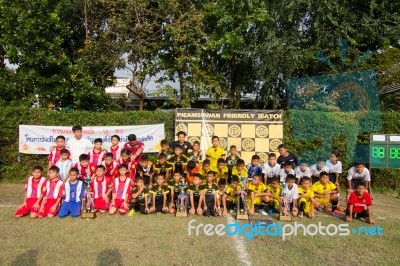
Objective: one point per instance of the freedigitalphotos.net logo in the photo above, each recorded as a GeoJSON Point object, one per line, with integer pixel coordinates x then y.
{"type": "Point", "coordinates": [249, 231]}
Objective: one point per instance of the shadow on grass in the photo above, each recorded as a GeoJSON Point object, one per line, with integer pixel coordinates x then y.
{"type": "Point", "coordinates": [27, 258]}
{"type": "Point", "coordinates": [109, 257]}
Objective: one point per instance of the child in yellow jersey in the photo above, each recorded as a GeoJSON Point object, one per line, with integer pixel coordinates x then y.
{"type": "Point", "coordinates": [326, 192]}
{"type": "Point", "coordinates": [257, 194]}
{"type": "Point", "coordinates": [307, 203]}
{"type": "Point", "coordinates": [205, 168]}
{"type": "Point", "coordinates": [230, 196]}
{"type": "Point", "coordinates": [221, 170]}
{"type": "Point", "coordinates": [275, 190]}
{"type": "Point", "coordinates": [240, 171]}
{"type": "Point", "coordinates": [215, 152]}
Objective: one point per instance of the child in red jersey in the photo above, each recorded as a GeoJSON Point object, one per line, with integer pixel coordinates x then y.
{"type": "Point", "coordinates": [96, 156]}
{"type": "Point", "coordinates": [131, 164]}
{"type": "Point", "coordinates": [85, 167]}
{"type": "Point", "coordinates": [359, 204]}
{"type": "Point", "coordinates": [35, 188]}
{"type": "Point", "coordinates": [54, 194]}
{"type": "Point", "coordinates": [55, 155]}
{"type": "Point", "coordinates": [122, 189]}
{"type": "Point", "coordinates": [115, 149]}
{"type": "Point", "coordinates": [111, 167]}
{"type": "Point", "coordinates": [102, 187]}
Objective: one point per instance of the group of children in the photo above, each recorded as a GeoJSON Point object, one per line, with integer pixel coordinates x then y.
{"type": "Point", "coordinates": [124, 180]}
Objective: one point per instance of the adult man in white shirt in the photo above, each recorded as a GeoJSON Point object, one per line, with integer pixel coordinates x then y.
{"type": "Point", "coordinates": [77, 145]}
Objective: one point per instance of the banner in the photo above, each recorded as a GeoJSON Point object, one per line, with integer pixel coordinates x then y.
{"type": "Point", "coordinates": [251, 131]}
{"type": "Point", "coordinates": [39, 139]}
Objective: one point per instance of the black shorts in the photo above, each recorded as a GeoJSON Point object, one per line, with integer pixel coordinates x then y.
{"type": "Point", "coordinates": [362, 214]}
{"type": "Point", "coordinates": [230, 205]}
{"type": "Point", "coordinates": [332, 177]}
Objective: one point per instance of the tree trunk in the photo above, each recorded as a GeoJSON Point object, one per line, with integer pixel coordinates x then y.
{"type": "Point", "coordinates": [138, 91]}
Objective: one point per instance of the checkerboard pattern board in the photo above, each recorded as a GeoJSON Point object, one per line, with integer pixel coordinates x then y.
{"type": "Point", "coordinates": [249, 136]}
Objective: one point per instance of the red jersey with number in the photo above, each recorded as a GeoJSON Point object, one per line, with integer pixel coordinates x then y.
{"type": "Point", "coordinates": [54, 189]}
{"type": "Point", "coordinates": [134, 148]}
{"type": "Point", "coordinates": [132, 165]}
{"type": "Point", "coordinates": [34, 188]}
{"type": "Point", "coordinates": [116, 152]}
{"type": "Point", "coordinates": [122, 188]}
{"type": "Point", "coordinates": [100, 186]}
{"type": "Point", "coordinates": [90, 169]}
{"type": "Point", "coordinates": [96, 157]}
{"type": "Point", "coordinates": [359, 204]}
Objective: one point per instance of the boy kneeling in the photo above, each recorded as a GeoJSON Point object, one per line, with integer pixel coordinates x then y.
{"type": "Point", "coordinates": [359, 204]}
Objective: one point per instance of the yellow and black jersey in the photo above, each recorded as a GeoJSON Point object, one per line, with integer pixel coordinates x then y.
{"type": "Point", "coordinates": [179, 162]}
{"type": "Point", "coordinates": [141, 197]}
{"type": "Point", "coordinates": [162, 168]}
{"type": "Point", "coordinates": [195, 157]}
{"type": "Point", "coordinates": [175, 187]}
{"type": "Point", "coordinates": [196, 191]}
{"type": "Point", "coordinates": [232, 193]}
{"type": "Point", "coordinates": [210, 191]}
{"type": "Point", "coordinates": [276, 191]}
{"type": "Point", "coordinates": [159, 191]}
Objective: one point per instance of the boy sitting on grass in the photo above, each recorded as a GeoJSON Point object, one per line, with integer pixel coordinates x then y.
{"type": "Point", "coordinates": [359, 204]}
{"type": "Point", "coordinates": [307, 203]}
{"type": "Point", "coordinates": [256, 196]}
{"type": "Point", "coordinates": [326, 192]}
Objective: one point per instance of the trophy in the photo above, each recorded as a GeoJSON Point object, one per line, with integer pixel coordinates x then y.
{"type": "Point", "coordinates": [241, 213]}
{"type": "Point", "coordinates": [284, 209]}
{"type": "Point", "coordinates": [87, 201]}
{"type": "Point", "coordinates": [182, 202]}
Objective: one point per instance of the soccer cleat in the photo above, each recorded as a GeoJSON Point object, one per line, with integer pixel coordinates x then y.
{"type": "Point", "coordinates": [300, 214]}
{"type": "Point", "coordinates": [131, 212]}
{"type": "Point", "coordinates": [270, 212]}
{"type": "Point", "coordinates": [339, 209]}
{"type": "Point", "coordinates": [326, 208]}
{"type": "Point", "coordinates": [334, 214]}
{"type": "Point", "coordinates": [262, 212]}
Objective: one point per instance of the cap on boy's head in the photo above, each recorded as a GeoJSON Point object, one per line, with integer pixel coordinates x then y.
{"type": "Point", "coordinates": [83, 157]}
{"type": "Point", "coordinates": [60, 137]}
{"type": "Point", "coordinates": [191, 165]}
{"type": "Point", "coordinates": [74, 170]}
{"type": "Point", "coordinates": [100, 167]}
{"type": "Point", "coordinates": [235, 178]}
{"type": "Point", "coordinates": [37, 167]}
{"type": "Point", "coordinates": [206, 162]}
{"type": "Point", "coordinates": [109, 155]}
{"type": "Point", "coordinates": [64, 151]}
{"type": "Point", "coordinates": [162, 156]}
{"type": "Point", "coordinates": [240, 162]}
{"type": "Point", "coordinates": [123, 166]}
{"type": "Point", "coordinates": [116, 136]}
{"type": "Point", "coordinates": [221, 182]}
{"type": "Point", "coordinates": [164, 142]}
{"type": "Point", "coordinates": [323, 174]}
{"type": "Point", "coordinates": [290, 177]}
{"type": "Point", "coordinates": [144, 158]}
{"type": "Point", "coordinates": [132, 137]}
{"type": "Point", "coordinates": [76, 128]}
{"type": "Point", "coordinates": [360, 184]}
{"type": "Point", "coordinates": [181, 133]}
{"type": "Point", "coordinates": [98, 140]}
{"type": "Point", "coordinates": [55, 169]}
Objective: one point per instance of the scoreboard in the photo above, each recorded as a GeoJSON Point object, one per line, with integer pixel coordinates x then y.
{"type": "Point", "coordinates": [384, 151]}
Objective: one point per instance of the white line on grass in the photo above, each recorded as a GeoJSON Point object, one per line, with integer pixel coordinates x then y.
{"type": "Point", "coordinates": [240, 246]}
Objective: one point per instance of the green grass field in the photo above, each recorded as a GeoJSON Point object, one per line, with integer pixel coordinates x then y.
{"type": "Point", "coordinates": [163, 240]}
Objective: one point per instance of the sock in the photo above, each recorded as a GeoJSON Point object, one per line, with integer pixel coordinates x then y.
{"type": "Point", "coordinates": [334, 204]}
{"type": "Point", "coordinates": [302, 206]}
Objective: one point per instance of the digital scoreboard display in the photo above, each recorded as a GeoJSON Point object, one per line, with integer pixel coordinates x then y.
{"type": "Point", "coordinates": [384, 151]}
